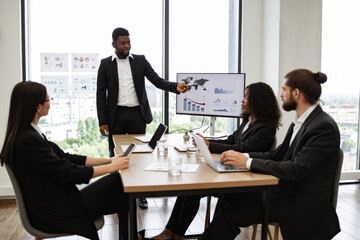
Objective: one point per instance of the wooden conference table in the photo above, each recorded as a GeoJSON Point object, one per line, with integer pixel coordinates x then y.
{"type": "Point", "coordinates": [140, 183]}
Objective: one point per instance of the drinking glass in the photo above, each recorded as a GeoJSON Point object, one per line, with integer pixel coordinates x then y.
{"type": "Point", "coordinates": [191, 150]}
{"type": "Point", "coordinates": [174, 165]}
{"type": "Point", "coordinates": [162, 147]}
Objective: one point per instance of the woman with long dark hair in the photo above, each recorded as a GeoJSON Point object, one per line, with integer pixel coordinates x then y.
{"type": "Point", "coordinates": [261, 117]}
{"type": "Point", "coordinates": [48, 176]}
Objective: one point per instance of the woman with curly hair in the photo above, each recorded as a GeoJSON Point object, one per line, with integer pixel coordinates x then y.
{"type": "Point", "coordinates": [261, 117]}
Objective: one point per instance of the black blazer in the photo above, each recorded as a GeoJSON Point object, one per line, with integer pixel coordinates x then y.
{"type": "Point", "coordinates": [108, 87]}
{"type": "Point", "coordinates": [306, 170]}
{"type": "Point", "coordinates": [47, 178]}
{"type": "Point", "coordinates": [258, 137]}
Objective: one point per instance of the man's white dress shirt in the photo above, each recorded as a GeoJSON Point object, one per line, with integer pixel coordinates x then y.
{"type": "Point", "coordinates": [127, 94]}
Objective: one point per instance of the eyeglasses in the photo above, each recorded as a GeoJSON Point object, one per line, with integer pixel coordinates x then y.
{"type": "Point", "coordinates": [49, 100]}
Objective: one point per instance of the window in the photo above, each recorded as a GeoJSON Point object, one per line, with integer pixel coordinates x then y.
{"type": "Point", "coordinates": [340, 51]}
{"type": "Point", "coordinates": [65, 41]}
{"type": "Point", "coordinates": [203, 39]}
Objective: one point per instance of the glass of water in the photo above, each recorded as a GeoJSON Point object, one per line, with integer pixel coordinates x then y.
{"type": "Point", "coordinates": [174, 165]}
{"type": "Point", "coordinates": [191, 150]}
{"type": "Point", "coordinates": [162, 147]}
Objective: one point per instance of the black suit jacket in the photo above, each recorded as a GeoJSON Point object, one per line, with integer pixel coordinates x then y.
{"type": "Point", "coordinates": [47, 178]}
{"type": "Point", "coordinates": [306, 170]}
{"type": "Point", "coordinates": [258, 137]}
{"type": "Point", "coordinates": [108, 87]}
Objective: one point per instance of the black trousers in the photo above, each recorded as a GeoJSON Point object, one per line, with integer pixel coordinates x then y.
{"type": "Point", "coordinates": [106, 196]}
{"type": "Point", "coordinates": [183, 213]}
{"type": "Point", "coordinates": [239, 210]}
{"type": "Point", "coordinates": [186, 208]}
{"type": "Point", "coordinates": [128, 121]}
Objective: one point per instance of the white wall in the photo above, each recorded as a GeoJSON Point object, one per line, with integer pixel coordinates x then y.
{"type": "Point", "coordinates": [278, 36]}
{"type": "Point", "coordinates": [10, 70]}
{"type": "Point", "coordinates": [300, 40]}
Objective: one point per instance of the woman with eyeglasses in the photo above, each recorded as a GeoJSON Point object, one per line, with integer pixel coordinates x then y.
{"type": "Point", "coordinates": [48, 176]}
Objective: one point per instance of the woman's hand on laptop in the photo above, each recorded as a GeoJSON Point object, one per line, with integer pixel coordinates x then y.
{"type": "Point", "coordinates": [233, 158]}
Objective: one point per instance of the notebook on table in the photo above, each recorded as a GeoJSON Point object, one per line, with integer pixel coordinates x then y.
{"type": "Point", "coordinates": [180, 147]}
{"type": "Point", "coordinates": [144, 139]}
{"type": "Point", "coordinates": [152, 144]}
{"type": "Point", "coordinates": [215, 164]}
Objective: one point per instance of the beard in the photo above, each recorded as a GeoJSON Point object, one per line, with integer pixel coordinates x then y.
{"type": "Point", "coordinates": [290, 105]}
{"type": "Point", "coordinates": [123, 54]}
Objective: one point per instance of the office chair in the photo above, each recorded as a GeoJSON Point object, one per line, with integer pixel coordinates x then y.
{"type": "Point", "coordinates": [207, 216]}
{"type": "Point", "coordinates": [334, 199]}
{"type": "Point", "coordinates": [208, 208]}
{"type": "Point", "coordinates": [99, 221]}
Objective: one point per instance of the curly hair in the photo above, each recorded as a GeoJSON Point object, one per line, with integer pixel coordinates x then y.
{"type": "Point", "coordinates": [263, 104]}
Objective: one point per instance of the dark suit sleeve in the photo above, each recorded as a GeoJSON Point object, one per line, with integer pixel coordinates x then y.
{"type": "Point", "coordinates": [101, 94]}
{"type": "Point", "coordinates": [74, 158]}
{"type": "Point", "coordinates": [260, 140]}
{"type": "Point", "coordinates": [265, 155]}
{"type": "Point", "coordinates": [315, 146]}
{"type": "Point", "coordinates": [159, 82]}
{"type": "Point", "coordinates": [48, 159]}
{"type": "Point", "coordinates": [229, 140]}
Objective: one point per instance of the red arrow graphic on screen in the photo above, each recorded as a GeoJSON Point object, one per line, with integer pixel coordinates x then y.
{"type": "Point", "coordinates": [194, 101]}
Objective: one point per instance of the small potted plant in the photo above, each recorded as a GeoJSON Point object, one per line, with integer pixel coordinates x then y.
{"type": "Point", "coordinates": [186, 136]}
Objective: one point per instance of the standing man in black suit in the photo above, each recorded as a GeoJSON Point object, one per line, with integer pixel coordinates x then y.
{"type": "Point", "coordinates": [122, 102]}
{"type": "Point", "coordinates": [305, 162]}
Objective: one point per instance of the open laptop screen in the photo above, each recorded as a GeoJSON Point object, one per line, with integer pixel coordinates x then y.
{"type": "Point", "coordinates": [157, 135]}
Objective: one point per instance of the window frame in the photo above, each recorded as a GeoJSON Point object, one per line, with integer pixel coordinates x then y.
{"type": "Point", "coordinates": [165, 46]}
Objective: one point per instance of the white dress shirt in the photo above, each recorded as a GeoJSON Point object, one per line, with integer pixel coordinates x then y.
{"type": "Point", "coordinates": [246, 125]}
{"type": "Point", "coordinates": [36, 127]}
{"type": "Point", "coordinates": [298, 122]}
{"type": "Point", "coordinates": [127, 94]}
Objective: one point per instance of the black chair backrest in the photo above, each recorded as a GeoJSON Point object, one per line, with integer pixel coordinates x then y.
{"type": "Point", "coordinates": [337, 178]}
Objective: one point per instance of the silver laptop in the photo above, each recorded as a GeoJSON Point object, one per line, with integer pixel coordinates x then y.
{"type": "Point", "coordinates": [153, 141]}
{"type": "Point", "coordinates": [215, 164]}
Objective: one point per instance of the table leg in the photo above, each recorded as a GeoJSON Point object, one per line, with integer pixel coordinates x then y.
{"type": "Point", "coordinates": [132, 218]}
{"type": "Point", "coordinates": [266, 200]}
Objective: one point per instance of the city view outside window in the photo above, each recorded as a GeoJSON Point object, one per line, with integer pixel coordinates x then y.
{"type": "Point", "coordinates": [65, 41]}
{"type": "Point", "coordinates": [207, 45]}
{"type": "Point", "coordinates": [340, 51]}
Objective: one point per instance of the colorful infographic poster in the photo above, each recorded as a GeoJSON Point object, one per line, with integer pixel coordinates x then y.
{"type": "Point", "coordinates": [54, 62]}
{"type": "Point", "coordinates": [84, 62]}
{"type": "Point", "coordinates": [56, 85]}
{"type": "Point", "coordinates": [84, 84]}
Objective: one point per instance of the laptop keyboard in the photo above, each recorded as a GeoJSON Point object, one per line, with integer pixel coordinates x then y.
{"type": "Point", "coordinates": [225, 167]}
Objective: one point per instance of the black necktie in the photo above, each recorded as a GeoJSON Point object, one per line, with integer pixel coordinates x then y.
{"type": "Point", "coordinates": [44, 136]}
{"type": "Point", "coordinates": [285, 145]}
